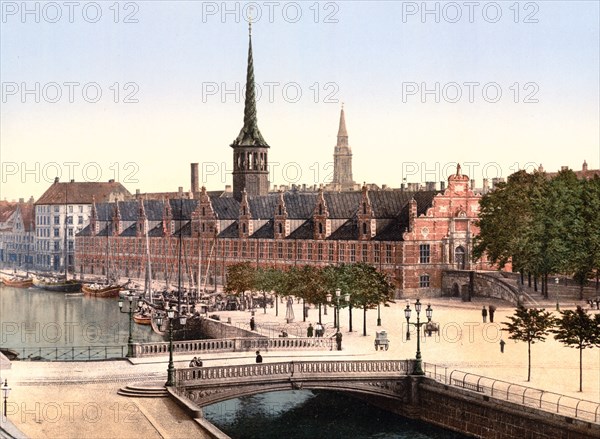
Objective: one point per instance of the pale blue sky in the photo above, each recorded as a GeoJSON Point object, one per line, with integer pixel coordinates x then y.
{"type": "Point", "coordinates": [174, 55]}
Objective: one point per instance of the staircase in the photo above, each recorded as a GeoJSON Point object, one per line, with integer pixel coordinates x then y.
{"type": "Point", "coordinates": [143, 391]}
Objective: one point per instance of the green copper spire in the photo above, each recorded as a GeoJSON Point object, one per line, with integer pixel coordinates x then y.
{"type": "Point", "coordinates": [250, 134]}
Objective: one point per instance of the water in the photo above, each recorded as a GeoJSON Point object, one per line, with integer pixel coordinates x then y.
{"type": "Point", "coordinates": [306, 414]}
{"type": "Point", "coordinates": [33, 318]}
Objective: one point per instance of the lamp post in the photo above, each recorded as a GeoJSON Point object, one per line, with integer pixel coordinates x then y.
{"type": "Point", "coordinates": [159, 321]}
{"type": "Point", "coordinates": [5, 393]}
{"type": "Point", "coordinates": [556, 281]}
{"type": "Point", "coordinates": [418, 370]}
{"type": "Point", "coordinates": [379, 314]}
{"type": "Point", "coordinates": [130, 310]}
{"type": "Point", "coordinates": [407, 315]}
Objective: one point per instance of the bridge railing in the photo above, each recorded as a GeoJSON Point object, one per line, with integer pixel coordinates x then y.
{"type": "Point", "coordinates": [240, 344]}
{"type": "Point", "coordinates": [70, 353]}
{"type": "Point", "coordinates": [529, 396]}
{"type": "Point", "coordinates": [197, 376]}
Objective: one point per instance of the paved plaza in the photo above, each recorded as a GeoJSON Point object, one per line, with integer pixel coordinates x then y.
{"type": "Point", "coordinates": [79, 400]}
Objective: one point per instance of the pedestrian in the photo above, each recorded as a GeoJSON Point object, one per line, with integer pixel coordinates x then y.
{"type": "Point", "coordinates": [193, 362]}
{"type": "Point", "coordinates": [338, 340]}
{"type": "Point", "coordinates": [258, 357]}
{"type": "Point", "coordinates": [309, 330]}
{"type": "Point", "coordinates": [319, 330]}
{"type": "Point", "coordinates": [198, 362]}
{"type": "Point", "coordinates": [252, 324]}
{"type": "Point", "coordinates": [484, 314]}
{"type": "Point", "coordinates": [502, 343]}
{"type": "Point", "coordinates": [492, 311]}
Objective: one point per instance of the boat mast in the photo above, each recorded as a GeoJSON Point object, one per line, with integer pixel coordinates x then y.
{"type": "Point", "coordinates": [179, 257]}
{"type": "Point", "coordinates": [107, 248]}
{"type": "Point", "coordinates": [66, 252]}
{"type": "Point", "coordinates": [148, 262]}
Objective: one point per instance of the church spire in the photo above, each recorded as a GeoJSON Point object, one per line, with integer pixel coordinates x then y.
{"type": "Point", "coordinates": [342, 130]}
{"type": "Point", "coordinates": [250, 134]}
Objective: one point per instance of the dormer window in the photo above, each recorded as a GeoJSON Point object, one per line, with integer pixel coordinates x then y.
{"type": "Point", "coordinates": [280, 228]}
{"type": "Point", "coordinates": [364, 208]}
{"type": "Point", "coordinates": [364, 228]}
{"type": "Point", "coordinates": [244, 210]}
{"type": "Point", "coordinates": [203, 211]}
{"type": "Point", "coordinates": [280, 211]}
{"type": "Point", "coordinates": [320, 227]}
{"type": "Point", "coordinates": [244, 228]}
{"type": "Point", "coordinates": [320, 209]}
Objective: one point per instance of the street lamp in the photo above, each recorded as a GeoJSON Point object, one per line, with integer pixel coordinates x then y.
{"type": "Point", "coordinates": [5, 393]}
{"type": "Point", "coordinates": [159, 321]}
{"type": "Point", "coordinates": [130, 310]}
{"type": "Point", "coordinates": [379, 314]}
{"type": "Point", "coordinates": [556, 282]}
{"type": "Point", "coordinates": [418, 370]}
{"type": "Point", "coordinates": [407, 314]}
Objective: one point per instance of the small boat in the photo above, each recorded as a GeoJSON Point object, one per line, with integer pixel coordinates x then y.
{"type": "Point", "coordinates": [142, 319]}
{"type": "Point", "coordinates": [61, 286]}
{"type": "Point", "coordinates": [17, 282]}
{"type": "Point", "coordinates": [9, 353]}
{"type": "Point", "coordinates": [101, 290]}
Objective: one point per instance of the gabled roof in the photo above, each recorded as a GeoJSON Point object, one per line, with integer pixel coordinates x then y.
{"type": "Point", "coordinates": [83, 193]}
{"type": "Point", "coordinates": [266, 231]}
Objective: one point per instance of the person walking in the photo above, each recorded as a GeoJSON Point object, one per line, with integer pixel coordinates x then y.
{"type": "Point", "coordinates": [252, 324]}
{"type": "Point", "coordinates": [309, 330]}
{"type": "Point", "coordinates": [502, 343]}
{"type": "Point", "coordinates": [338, 340]}
{"type": "Point", "coordinates": [319, 330]}
{"type": "Point", "coordinates": [484, 314]}
{"type": "Point", "coordinates": [258, 357]}
{"type": "Point", "coordinates": [492, 309]}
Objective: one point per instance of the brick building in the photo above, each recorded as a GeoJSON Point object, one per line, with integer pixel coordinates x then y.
{"type": "Point", "coordinates": [17, 234]}
{"type": "Point", "coordinates": [410, 235]}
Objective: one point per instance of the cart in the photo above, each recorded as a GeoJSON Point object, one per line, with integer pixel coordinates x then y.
{"type": "Point", "coordinates": [381, 340]}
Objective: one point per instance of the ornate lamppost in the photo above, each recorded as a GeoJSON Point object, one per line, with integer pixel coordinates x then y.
{"type": "Point", "coordinates": [130, 310]}
{"type": "Point", "coordinates": [5, 393]}
{"type": "Point", "coordinates": [379, 314]}
{"type": "Point", "coordinates": [556, 281]}
{"type": "Point", "coordinates": [159, 321]}
{"type": "Point", "coordinates": [418, 370]}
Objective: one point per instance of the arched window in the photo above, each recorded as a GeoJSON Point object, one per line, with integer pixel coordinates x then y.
{"type": "Point", "coordinates": [364, 228]}
{"type": "Point", "coordinates": [320, 209]}
{"type": "Point", "coordinates": [280, 228]}
{"type": "Point", "coordinates": [280, 210]}
{"type": "Point", "coordinates": [320, 227]}
{"type": "Point", "coordinates": [244, 210]}
{"type": "Point", "coordinates": [203, 211]}
{"type": "Point", "coordinates": [203, 227]}
{"type": "Point", "coordinates": [244, 228]}
{"type": "Point", "coordinates": [364, 208]}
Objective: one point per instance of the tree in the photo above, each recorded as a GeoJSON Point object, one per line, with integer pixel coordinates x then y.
{"type": "Point", "coordinates": [530, 325]}
{"type": "Point", "coordinates": [577, 329]}
{"type": "Point", "coordinates": [240, 278]}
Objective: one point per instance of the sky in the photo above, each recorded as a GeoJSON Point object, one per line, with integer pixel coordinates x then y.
{"type": "Point", "coordinates": [136, 91]}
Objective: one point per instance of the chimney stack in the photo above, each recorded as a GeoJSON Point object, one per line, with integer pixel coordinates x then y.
{"type": "Point", "coordinates": [195, 187]}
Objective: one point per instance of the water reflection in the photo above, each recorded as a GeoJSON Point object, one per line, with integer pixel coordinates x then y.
{"type": "Point", "coordinates": [34, 318]}
{"type": "Point", "coordinates": [306, 414]}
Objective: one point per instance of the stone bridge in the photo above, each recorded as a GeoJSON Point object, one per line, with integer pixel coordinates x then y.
{"type": "Point", "coordinates": [209, 385]}
{"type": "Point", "coordinates": [465, 284]}
{"type": "Point", "coordinates": [463, 402]}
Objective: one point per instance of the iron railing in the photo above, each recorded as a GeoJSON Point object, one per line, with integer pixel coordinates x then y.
{"type": "Point", "coordinates": [70, 353]}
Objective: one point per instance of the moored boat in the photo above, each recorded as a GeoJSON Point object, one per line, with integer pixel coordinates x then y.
{"type": "Point", "coordinates": [17, 282]}
{"type": "Point", "coordinates": [142, 319]}
{"type": "Point", "coordinates": [61, 285]}
{"type": "Point", "coordinates": [101, 290]}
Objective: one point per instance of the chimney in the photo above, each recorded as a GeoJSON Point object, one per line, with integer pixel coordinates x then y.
{"type": "Point", "coordinates": [303, 187]}
{"type": "Point", "coordinates": [472, 184]}
{"type": "Point", "coordinates": [227, 188]}
{"type": "Point", "coordinates": [584, 167]}
{"type": "Point", "coordinates": [137, 193]}
{"type": "Point", "coordinates": [195, 188]}
{"type": "Point", "coordinates": [21, 200]}
{"type": "Point", "coordinates": [55, 179]}
{"type": "Point", "coordinates": [430, 185]}
{"type": "Point", "coordinates": [486, 185]}
{"type": "Point", "coordinates": [412, 214]}
{"type": "Point", "coordinates": [180, 192]}
{"type": "Point", "coordinates": [564, 168]}
{"type": "Point", "coordinates": [112, 180]}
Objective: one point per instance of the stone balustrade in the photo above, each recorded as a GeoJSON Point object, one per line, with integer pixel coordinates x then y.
{"type": "Point", "coordinates": [203, 376]}
{"type": "Point", "coordinates": [241, 344]}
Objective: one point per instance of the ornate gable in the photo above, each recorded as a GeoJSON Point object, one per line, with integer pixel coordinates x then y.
{"type": "Point", "coordinates": [366, 222]}
{"type": "Point", "coordinates": [245, 224]}
{"type": "Point", "coordinates": [281, 223]}
{"type": "Point", "coordinates": [320, 217]}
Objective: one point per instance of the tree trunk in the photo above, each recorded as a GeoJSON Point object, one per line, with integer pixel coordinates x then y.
{"type": "Point", "coordinates": [529, 279]}
{"type": "Point", "coordinates": [528, 361]}
{"type": "Point", "coordinates": [365, 321]}
{"type": "Point", "coordinates": [581, 289]}
{"type": "Point", "coordinates": [535, 286]}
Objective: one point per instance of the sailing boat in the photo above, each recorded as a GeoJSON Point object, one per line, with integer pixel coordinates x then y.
{"type": "Point", "coordinates": [107, 289]}
{"type": "Point", "coordinates": [61, 284]}
{"type": "Point", "coordinates": [145, 317]}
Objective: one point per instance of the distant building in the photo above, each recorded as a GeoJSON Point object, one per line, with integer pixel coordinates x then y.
{"type": "Point", "coordinates": [583, 174]}
{"type": "Point", "coordinates": [342, 159]}
{"type": "Point", "coordinates": [17, 234]}
{"type": "Point", "coordinates": [64, 210]}
{"type": "Point", "coordinates": [410, 235]}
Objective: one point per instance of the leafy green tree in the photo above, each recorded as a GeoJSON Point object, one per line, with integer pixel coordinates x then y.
{"type": "Point", "coordinates": [240, 278]}
{"type": "Point", "coordinates": [530, 325]}
{"type": "Point", "coordinates": [368, 288]}
{"type": "Point", "coordinates": [577, 329]}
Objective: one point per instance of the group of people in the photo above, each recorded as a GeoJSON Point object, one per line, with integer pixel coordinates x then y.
{"type": "Point", "coordinates": [317, 330]}
{"type": "Point", "coordinates": [592, 302]}
{"type": "Point", "coordinates": [196, 362]}
{"type": "Point", "coordinates": [484, 313]}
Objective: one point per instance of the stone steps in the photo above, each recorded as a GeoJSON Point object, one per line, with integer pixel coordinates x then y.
{"type": "Point", "coordinates": [141, 391]}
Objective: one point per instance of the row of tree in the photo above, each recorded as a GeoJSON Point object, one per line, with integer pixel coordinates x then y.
{"type": "Point", "coordinates": [368, 288]}
{"type": "Point", "coordinates": [543, 226]}
{"type": "Point", "coordinates": [576, 329]}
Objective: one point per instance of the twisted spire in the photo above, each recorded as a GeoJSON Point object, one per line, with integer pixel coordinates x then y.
{"type": "Point", "coordinates": [250, 134]}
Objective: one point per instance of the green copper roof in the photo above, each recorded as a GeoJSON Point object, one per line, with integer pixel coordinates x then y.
{"type": "Point", "coordinates": [250, 134]}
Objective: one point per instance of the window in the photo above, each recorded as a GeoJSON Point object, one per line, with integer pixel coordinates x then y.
{"type": "Point", "coordinates": [80, 209]}
{"type": "Point", "coordinates": [299, 250]}
{"type": "Point", "coordinates": [365, 252]}
{"type": "Point", "coordinates": [364, 208]}
{"type": "Point", "coordinates": [56, 209]}
{"type": "Point", "coordinates": [424, 253]}
{"type": "Point", "coordinates": [280, 250]}
{"type": "Point", "coordinates": [364, 228]}
{"type": "Point", "coordinates": [342, 252]}
{"type": "Point", "coordinates": [70, 232]}
{"type": "Point", "coordinates": [56, 246]}
{"type": "Point", "coordinates": [330, 251]}
{"type": "Point", "coordinates": [244, 228]}
{"type": "Point", "coordinates": [352, 252]}
{"type": "Point", "coordinates": [280, 227]}
{"type": "Point", "coordinates": [290, 253]}
{"type": "Point", "coordinates": [56, 220]}
{"type": "Point", "coordinates": [388, 253]}
{"type": "Point", "coordinates": [280, 210]}
{"type": "Point", "coordinates": [261, 254]}
{"type": "Point", "coordinates": [70, 209]}
{"type": "Point", "coordinates": [424, 281]}
{"type": "Point", "coordinates": [309, 251]}
{"type": "Point", "coordinates": [69, 220]}
{"type": "Point", "coordinates": [203, 211]}
{"type": "Point", "coordinates": [56, 232]}
{"type": "Point", "coordinates": [80, 219]}
{"type": "Point", "coordinates": [244, 248]}
{"type": "Point", "coordinates": [320, 209]}
{"type": "Point", "coordinates": [376, 253]}
{"type": "Point", "coordinates": [320, 228]}
{"type": "Point", "coordinates": [320, 251]}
